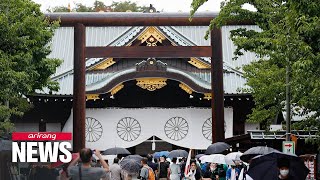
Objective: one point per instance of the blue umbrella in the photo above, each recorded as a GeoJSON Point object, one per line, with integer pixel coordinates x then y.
{"type": "Point", "coordinates": [265, 167]}
{"type": "Point", "coordinates": [157, 155]}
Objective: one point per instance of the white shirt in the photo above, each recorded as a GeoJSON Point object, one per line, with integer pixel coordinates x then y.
{"type": "Point", "coordinates": [247, 176]}
{"type": "Point", "coordinates": [233, 174]}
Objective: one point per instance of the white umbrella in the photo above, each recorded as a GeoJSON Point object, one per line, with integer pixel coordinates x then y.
{"type": "Point", "coordinates": [214, 158]}
{"type": "Point", "coordinates": [232, 157]}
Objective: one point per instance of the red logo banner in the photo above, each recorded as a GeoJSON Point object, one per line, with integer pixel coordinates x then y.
{"type": "Point", "coordinates": [41, 136]}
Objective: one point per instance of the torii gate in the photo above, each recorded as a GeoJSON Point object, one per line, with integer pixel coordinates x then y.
{"type": "Point", "coordinates": [81, 52]}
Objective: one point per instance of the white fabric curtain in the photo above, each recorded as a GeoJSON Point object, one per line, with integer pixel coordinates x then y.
{"type": "Point", "coordinates": [127, 127]}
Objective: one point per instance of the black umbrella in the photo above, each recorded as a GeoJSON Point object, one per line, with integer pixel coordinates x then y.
{"type": "Point", "coordinates": [178, 153]}
{"type": "Point", "coordinates": [264, 167]}
{"type": "Point", "coordinates": [116, 151]}
{"type": "Point", "coordinates": [130, 165]}
{"type": "Point", "coordinates": [217, 148]}
{"type": "Point", "coordinates": [255, 151]}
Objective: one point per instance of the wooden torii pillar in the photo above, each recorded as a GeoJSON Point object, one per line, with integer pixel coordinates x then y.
{"type": "Point", "coordinates": [79, 87]}
{"type": "Point", "coordinates": [81, 52]}
{"type": "Point", "coordinates": [217, 101]}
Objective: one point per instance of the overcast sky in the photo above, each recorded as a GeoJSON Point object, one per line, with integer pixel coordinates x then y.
{"type": "Point", "coordinates": [165, 5]}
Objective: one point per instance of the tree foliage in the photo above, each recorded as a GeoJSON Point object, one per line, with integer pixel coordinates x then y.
{"type": "Point", "coordinates": [83, 8]}
{"type": "Point", "coordinates": [290, 36]}
{"type": "Point", "coordinates": [100, 6]}
{"type": "Point", "coordinates": [127, 6]}
{"type": "Point", "coordinates": [25, 34]}
{"type": "Point", "coordinates": [58, 9]}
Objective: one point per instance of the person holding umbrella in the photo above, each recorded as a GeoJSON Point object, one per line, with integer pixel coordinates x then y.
{"type": "Point", "coordinates": [85, 171]}
{"type": "Point", "coordinates": [194, 172]}
{"type": "Point", "coordinates": [233, 173]}
{"type": "Point", "coordinates": [115, 170]}
{"type": "Point", "coordinates": [163, 168]}
{"type": "Point", "coordinates": [182, 167]}
{"type": "Point", "coordinates": [174, 170]}
{"type": "Point", "coordinates": [146, 172]}
{"type": "Point", "coordinates": [151, 164]}
{"type": "Point", "coordinates": [211, 172]}
{"type": "Point", "coordinates": [278, 165]}
{"type": "Point", "coordinates": [283, 165]}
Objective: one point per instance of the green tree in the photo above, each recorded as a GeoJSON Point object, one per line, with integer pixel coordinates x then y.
{"type": "Point", "coordinates": [25, 36]}
{"type": "Point", "coordinates": [83, 8]}
{"type": "Point", "coordinates": [290, 36]}
{"type": "Point", "coordinates": [99, 6]}
{"type": "Point", "coordinates": [127, 6]}
{"type": "Point", "coordinates": [58, 9]}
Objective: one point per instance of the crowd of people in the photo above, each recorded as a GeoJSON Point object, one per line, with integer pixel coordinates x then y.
{"type": "Point", "coordinates": [83, 168]}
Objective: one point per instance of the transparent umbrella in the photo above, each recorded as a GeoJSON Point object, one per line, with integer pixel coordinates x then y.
{"type": "Point", "coordinates": [178, 153]}
{"type": "Point", "coordinates": [130, 165]}
{"type": "Point", "coordinates": [214, 158]}
{"type": "Point", "coordinates": [255, 151]}
{"type": "Point", "coordinates": [116, 151]}
{"type": "Point", "coordinates": [231, 157]}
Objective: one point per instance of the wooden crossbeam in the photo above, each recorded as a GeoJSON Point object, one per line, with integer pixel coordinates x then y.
{"type": "Point", "coordinates": [138, 19]}
{"type": "Point", "coordinates": [146, 51]}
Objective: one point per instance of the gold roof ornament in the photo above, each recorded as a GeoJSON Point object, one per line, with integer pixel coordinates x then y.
{"type": "Point", "coordinates": [105, 64]}
{"type": "Point", "coordinates": [199, 64]}
{"type": "Point", "coordinates": [92, 97]}
{"type": "Point", "coordinates": [207, 96]}
{"type": "Point", "coordinates": [151, 36]}
{"type": "Point", "coordinates": [185, 88]}
{"type": "Point", "coordinates": [151, 84]}
{"type": "Point", "coordinates": [116, 89]}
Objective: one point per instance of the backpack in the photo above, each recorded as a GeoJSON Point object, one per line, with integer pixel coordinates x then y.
{"type": "Point", "coordinates": [151, 175]}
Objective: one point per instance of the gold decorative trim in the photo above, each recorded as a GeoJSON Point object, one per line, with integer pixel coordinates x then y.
{"type": "Point", "coordinates": [92, 96]}
{"type": "Point", "coordinates": [151, 84]}
{"type": "Point", "coordinates": [207, 96]}
{"type": "Point", "coordinates": [186, 88]}
{"type": "Point", "coordinates": [151, 36]}
{"type": "Point", "coordinates": [116, 89]}
{"type": "Point", "coordinates": [197, 63]}
{"type": "Point", "coordinates": [173, 44]}
{"type": "Point", "coordinates": [105, 64]}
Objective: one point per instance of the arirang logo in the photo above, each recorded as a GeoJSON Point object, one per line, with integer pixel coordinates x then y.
{"type": "Point", "coordinates": [47, 151]}
{"type": "Point", "coordinates": [48, 136]}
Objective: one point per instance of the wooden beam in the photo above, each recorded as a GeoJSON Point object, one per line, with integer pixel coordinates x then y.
{"type": "Point", "coordinates": [79, 91]}
{"type": "Point", "coordinates": [138, 19]}
{"type": "Point", "coordinates": [217, 101]}
{"type": "Point", "coordinates": [149, 51]}
{"type": "Point", "coordinates": [132, 19]}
